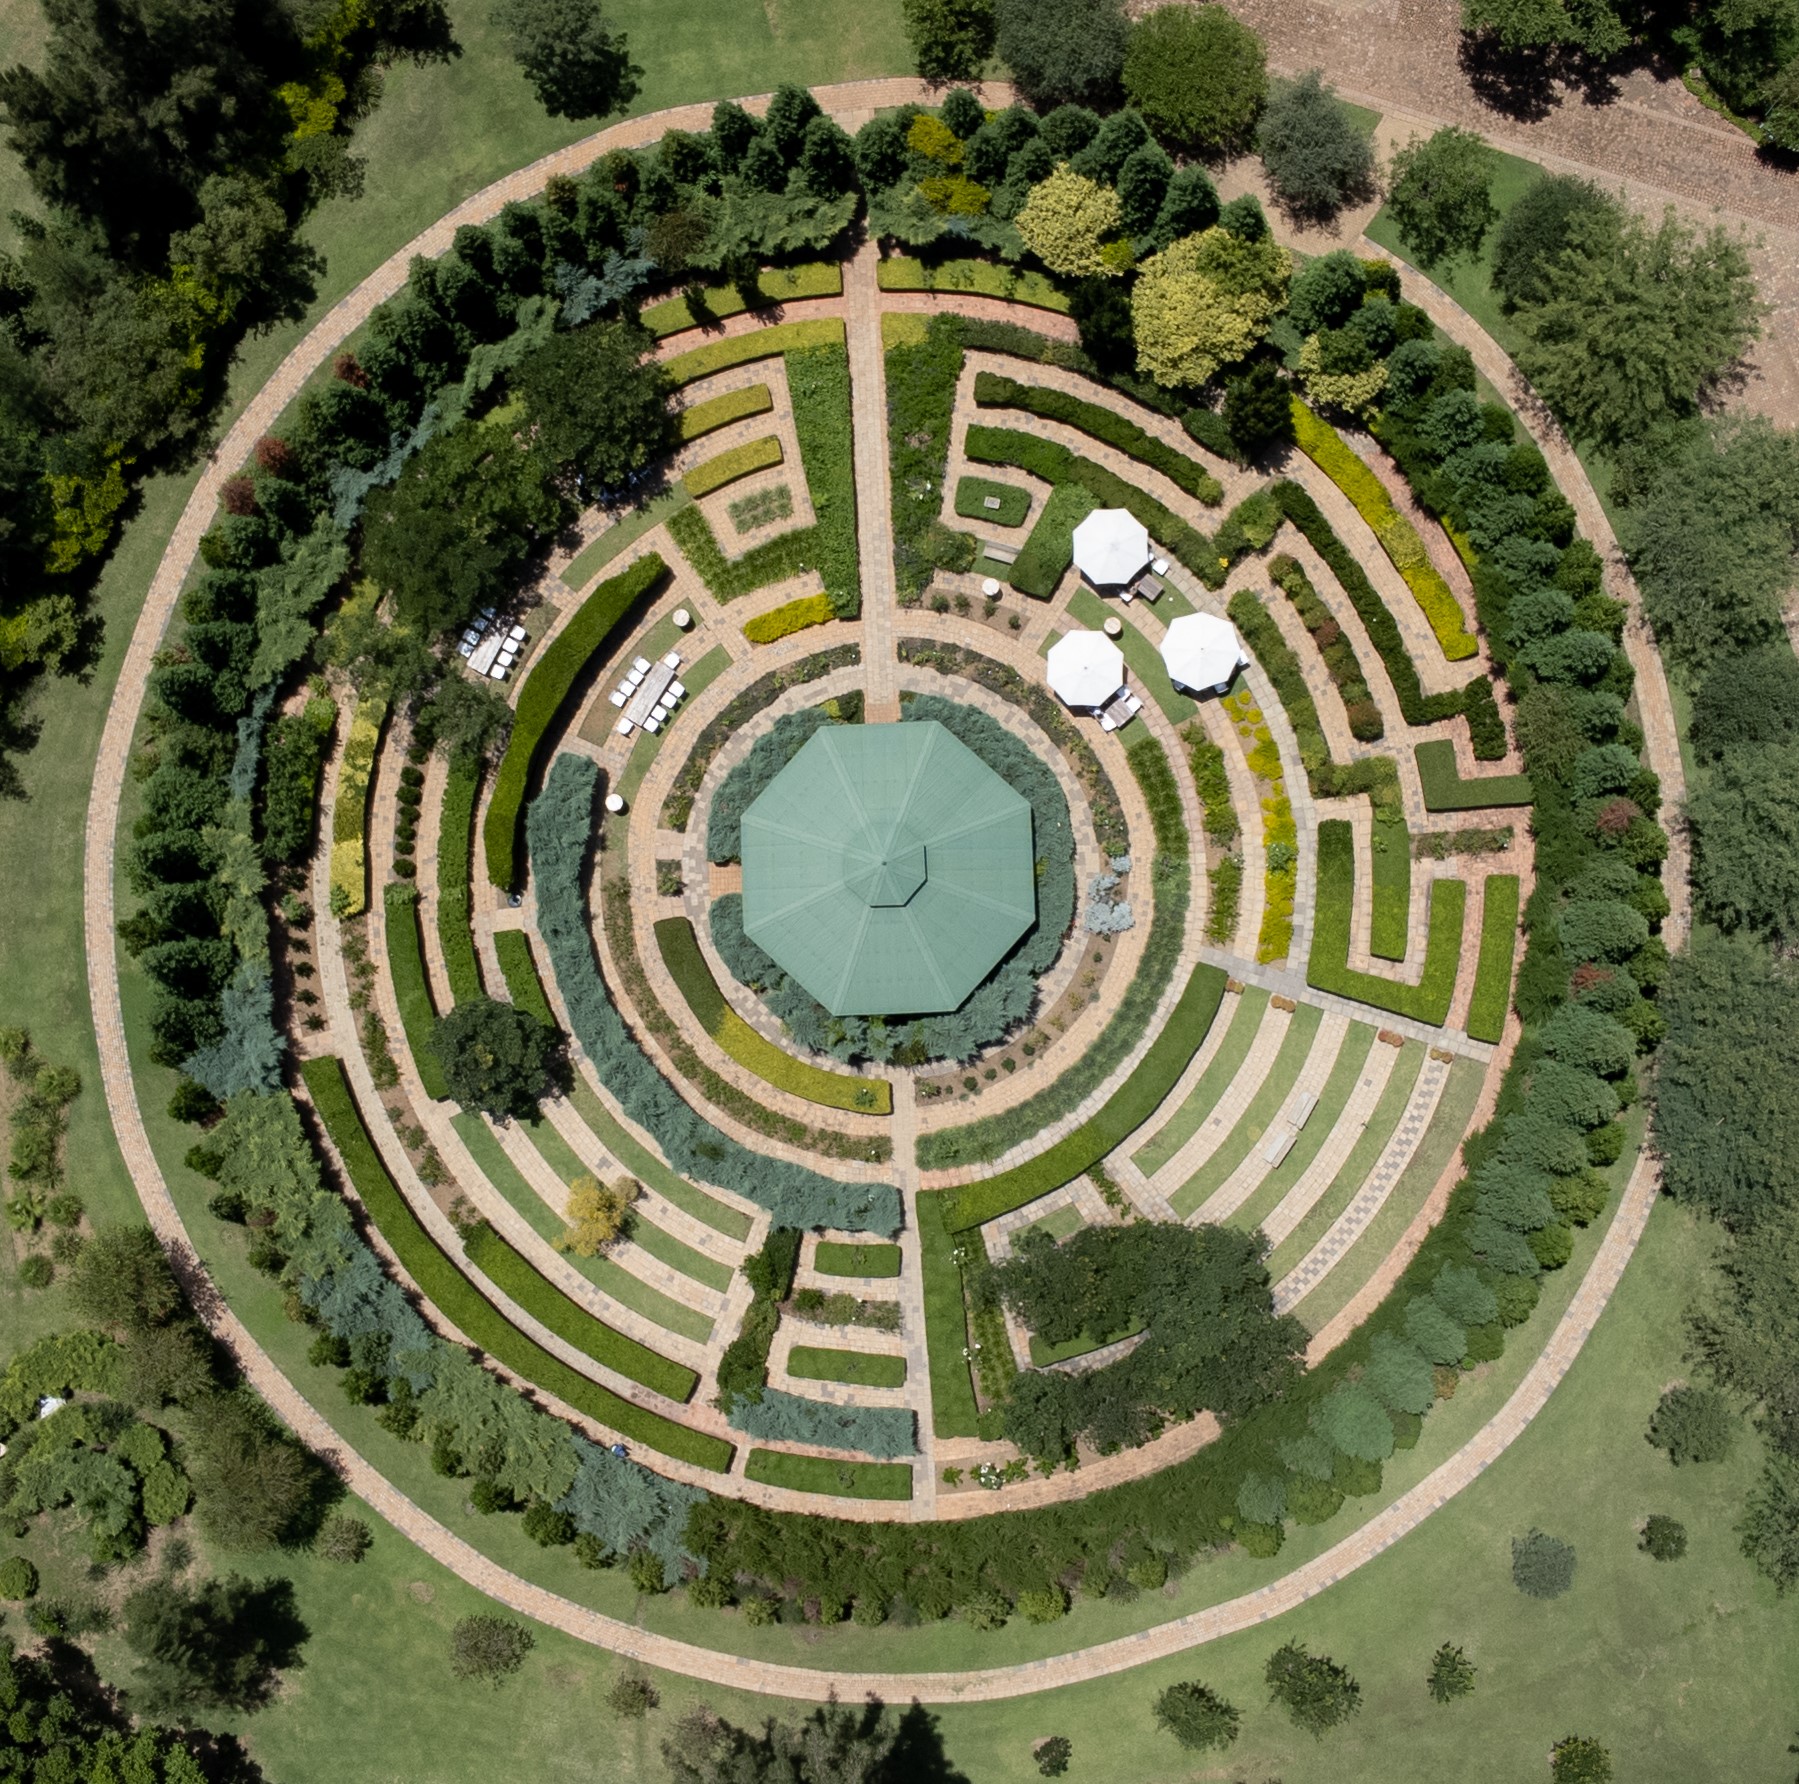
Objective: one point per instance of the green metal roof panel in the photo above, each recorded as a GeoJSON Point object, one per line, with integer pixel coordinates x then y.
{"type": "Point", "coordinates": [888, 869]}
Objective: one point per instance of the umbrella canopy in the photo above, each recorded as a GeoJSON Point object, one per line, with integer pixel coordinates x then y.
{"type": "Point", "coordinates": [1202, 651]}
{"type": "Point", "coordinates": [1110, 546]}
{"type": "Point", "coordinates": [1085, 668]}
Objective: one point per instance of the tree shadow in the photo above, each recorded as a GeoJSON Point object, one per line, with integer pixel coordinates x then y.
{"type": "Point", "coordinates": [1519, 84]}
{"type": "Point", "coordinates": [918, 1755]}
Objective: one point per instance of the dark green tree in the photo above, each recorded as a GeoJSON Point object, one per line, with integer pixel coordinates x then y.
{"type": "Point", "coordinates": [1451, 1674]}
{"type": "Point", "coordinates": [951, 39]}
{"type": "Point", "coordinates": [1441, 194]}
{"type": "Point", "coordinates": [1197, 75]}
{"type": "Point", "coordinates": [577, 64]}
{"type": "Point", "coordinates": [1053, 1755]}
{"type": "Point", "coordinates": [1313, 1689]}
{"type": "Point", "coordinates": [835, 1744]}
{"type": "Point", "coordinates": [1745, 701]}
{"type": "Point", "coordinates": [1769, 1531]}
{"type": "Point", "coordinates": [489, 1650]}
{"type": "Point", "coordinates": [217, 1646]}
{"type": "Point", "coordinates": [1744, 816]}
{"type": "Point", "coordinates": [1525, 27]}
{"type": "Point", "coordinates": [1578, 1759]}
{"type": "Point", "coordinates": [1664, 1538]}
{"type": "Point", "coordinates": [599, 403]}
{"type": "Point", "coordinates": [1258, 409]}
{"type": "Point", "coordinates": [1537, 229]}
{"type": "Point", "coordinates": [254, 1485]}
{"type": "Point", "coordinates": [1542, 1566]}
{"type": "Point", "coordinates": [122, 1280]}
{"type": "Point", "coordinates": [1318, 157]}
{"type": "Point", "coordinates": [497, 1057]}
{"type": "Point", "coordinates": [1061, 50]}
{"type": "Point", "coordinates": [1197, 1716]}
{"type": "Point", "coordinates": [1101, 309]}
{"type": "Point", "coordinates": [1693, 1424]}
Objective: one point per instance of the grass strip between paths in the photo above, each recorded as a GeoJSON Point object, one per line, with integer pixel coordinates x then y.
{"type": "Point", "coordinates": [412, 990]}
{"type": "Point", "coordinates": [821, 1474]}
{"type": "Point", "coordinates": [834, 1258]}
{"type": "Point", "coordinates": [524, 985]}
{"type": "Point", "coordinates": [860, 1368]}
{"type": "Point", "coordinates": [1446, 790]}
{"type": "Point", "coordinates": [954, 1412]}
{"type": "Point", "coordinates": [1493, 975]}
{"type": "Point", "coordinates": [444, 1285]}
{"type": "Point", "coordinates": [1251, 1005]}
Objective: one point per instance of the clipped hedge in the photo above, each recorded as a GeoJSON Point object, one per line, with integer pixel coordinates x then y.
{"type": "Point", "coordinates": [1446, 790]}
{"type": "Point", "coordinates": [788, 618]}
{"type": "Point", "coordinates": [1046, 554]}
{"type": "Point", "coordinates": [447, 1288]}
{"type": "Point", "coordinates": [541, 698]}
{"type": "Point", "coordinates": [519, 970]}
{"type": "Point", "coordinates": [993, 390]}
{"type": "Point", "coordinates": [822, 1474]}
{"type": "Point", "coordinates": [1493, 975]}
{"type": "Point", "coordinates": [777, 1417]}
{"type": "Point", "coordinates": [519, 1280]}
{"type": "Point", "coordinates": [760, 343]}
{"type": "Point", "coordinates": [977, 278]}
{"type": "Point", "coordinates": [349, 816]}
{"type": "Point", "coordinates": [720, 411]}
{"type": "Point", "coordinates": [1334, 646]}
{"type": "Point", "coordinates": [560, 828]}
{"type": "Point", "coordinates": [1322, 444]}
{"type": "Point", "coordinates": [1328, 969]}
{"type": "Point", "coordinates": [774, 285]}
{"type": "Point", "coordinates": [412, 988]}
{"type": "Point", "coordinates": [455, 849]}
{"type": "Point", "coordinates": [737, 461]}
{"type": "Point", "coordinates": [689, 969]}
{"type": "Point", "coordinates": [1126, 1110]}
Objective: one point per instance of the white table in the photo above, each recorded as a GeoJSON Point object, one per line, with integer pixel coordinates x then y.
{"type": "Point", "coordinates": [649, 691]}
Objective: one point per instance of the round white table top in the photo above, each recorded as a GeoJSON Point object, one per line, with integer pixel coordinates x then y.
{"type": "Point", "coordinates": [615, 802]}
{"type": "Point", "coordinates": [1114, 626]}
{"type": "Point", "coordinates": [683, 618]}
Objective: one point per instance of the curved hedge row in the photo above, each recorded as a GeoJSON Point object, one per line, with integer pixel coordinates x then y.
{"type": "Point", "coordinates": [541, 698]}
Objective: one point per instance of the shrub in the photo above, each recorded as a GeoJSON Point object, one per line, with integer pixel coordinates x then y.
{"type": "Point", "coordinates": [1053, 1755]}
{"type": "Point", "coordinates": [1043, 1604]}
{"type": "Point", "coordinates": [412, 989]}
{"type": "Point", "coordinates": [37, 1271]}
{"type": "Point", "coordinates": [883, 1431]}
{"type": "Point", "coordinates": [18, 1578]}
{"type": "Point", "coordinates": [541, 698]}
{"type": "Point", "coordinates": [496, 1058]}
{"type": "Point", "coordinates": [1197, 75]}
{"type": "Point", "coordinates": [1576, 1759]}
{"type": "Point", "coordinates": [546, 1526]}
{"type": "Point", "coordinates": [728, 466]}
{"type": "Point", "coordinates": [790, 617]}
{"type": "Point", "coordinates": [1067, 223]}
{"type": "Point", "coordinates": [1693, 1424]}
{"type": "Point", "coordinates": [1204, 302]}
{"type": "Point", "coordinates": [1318, 158]}
{"type": "Point", "coordinates": [1061, 50]}
{"type": "Point", "coordinates": [344, 1539]}
{"type": "Point", "coordinates": [1664, 1538]}
{"type": "Point", "coordinates": [758, 343]}
{"type": "Point", "coordinates": [455, 846]}
{"type": "Point", "coordinates": [489, 1649]}
{"type": "Point", "coordinates": [700, 419]}
{"type": "Point", "coordinates": [1440, 194]}
{"type": "Point", "coordinates": [1315, 1691]}
{"type": "Point", "coordinates": [1542, 1566]}
{"type": "Point", "coordinates": [1197, 1716]}
{"type": "Point", "coordinates": [1352, 1419]}
{"type": "Point", "coordinates": [632, 1696]}
{"type": "Point", "coordinates": [1451, 1674]}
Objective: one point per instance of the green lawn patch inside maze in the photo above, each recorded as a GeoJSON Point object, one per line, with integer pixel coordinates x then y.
{"type": "Point", "coordinates": [1065, 1221]}
{"type": "Point", "coordinates": [980, 278]}
{"type": "Point", "coordinates": [1144, 658]}
{"type": "Point", "coordinates": [455, 846]}
{"type": "Point", "coordinates": [1390, 919]}
{"type": "Point", "coordinates": [516, 1277]}
{"type": "Point", "coordinates": [713, 303]}
{"type": "Point", "coordinates": [834, 1258]}
{"type": "Point", "coordinates": [1446, 790]}
{"type": "Point", "coordinates": [700, 419]}
{"type": "Point", "coordinates": [1126, 1110]}
{"type": "Point", "coordinates": [689, 969]}
{"type": "Point", "coordinates": [412, 990]}
{"type": "Point", "coordinates": [523, 983]}
{"type": "Point", "coordinates": [860, 1368]}
{"type": "Point", "coordinates": [643, 1164]}
{"type": "Point", "coordinates": [1493, 975]}
{"type": "Point", "coordinates": [759, 343]}
{"type": "Point", "coordinates": [626, 531]}
{"type": "Point", "coordinates": [954, 1412]}
{"type": "Point", "coordinates": [974, 493]}
{"type": "Point", "coordinates": [444, 1285]}
{"type": "Point", "coordinates": [1247, 1011]}
{"type": "Point", "coordinates": [1043, 1356]}
{"type": "Point", "coordinates": [1270, 1097]}
{"type": "Point", "coordinates": [822, 1474]}
{"type": "Point", "coordinates": [1328, 969]}
{"type": "Point", "coordinates": [606, 1274]}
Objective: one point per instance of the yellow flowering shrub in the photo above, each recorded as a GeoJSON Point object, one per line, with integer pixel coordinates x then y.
{"type": "Point", "coordinates": [1067, 222]}
{"type": "Point", "coordinates": [1204, 302]}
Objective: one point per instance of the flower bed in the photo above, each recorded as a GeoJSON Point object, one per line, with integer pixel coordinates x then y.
{"type": "Point", "coordinates": [412, 990]}
{"type": "Point", "coordinates": [774, 285]}
{"type": "Point", "coordinates": [541, 698]}
{"type": "Point", "coordinates": [1493, 976]}
{"type": "Point", "coordinates": [720, 411]}
{"type": "Point", "coordinates": [736, 462]}
{"type": "Point", "coordinates": [1446, 790]}
{"type": "Point", "coordinates": [760, 343]}
{"type": "Point", "coordinates": [1322, 444]}
{"type": "Point", "coordinates": [788, 618]}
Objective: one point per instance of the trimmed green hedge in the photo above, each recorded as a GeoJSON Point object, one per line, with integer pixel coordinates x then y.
{"type": "Point", "coordinates": [860, 1368]}
{"type": "Point", "coordinates": [759, 343]}
{"type": "Point", "coordinates": [1046, 554]}
{"type": "Point", "coordinates": [541, 698]}
{"type": "Point", "coordinates": [954, 1412]}
{"type": "Point", "coordinates": [1014, 503]}
{"type": "Point", "coordinates": [1126, 1110]}
{"type": "Point", "coordinates": [994, 390]}
{"type": "Point", "coordinates": [523, 985]}
{"type": "Point", "coordinates": [1493, 976]}
{"type": "Point", "coordinates": [446, 1287]}
{"type": "Point", "coordinates": [1328, 969]}
{"type": "Point", "coordinates": [516, 1277]}
{"type": "Point", "coordinates": [455, 849]}
{"type": "Point", "coordinates": [412, 988]}
{"type": "Point", "coordinates": [720, 411]}
{"type": "Point", "coordinates": [689, 969]}
{"type": "Point", "coordinates": [837, 1259]}
{"type": "Point", "coordinates": [820, 1474]}
{"type": "Point", "coordinates": [1446, 790]}
{"type": "Point", "coordinates": [791, 616]}
{"type": "Point", "coordinates": [774, 284]}
{"type": "Point", "coordinates": [736, 461]}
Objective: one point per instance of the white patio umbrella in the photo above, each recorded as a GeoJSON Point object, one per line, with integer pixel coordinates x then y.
{"type": "Point", "coordinates": [1202, 652]}
{"type": "Point", "coordinates": [1085, 668]}
{"type": "Point", "coordinates": [1110, 546]}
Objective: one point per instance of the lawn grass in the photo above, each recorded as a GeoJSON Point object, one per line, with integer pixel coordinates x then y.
{"type": "Point", "coordinates": [607, 1275]}
{"type": "Point", "coordinates": [774, 285]}
{"type": "Point", "coordinates": [1493, 975]}
{"type": "Point", "coordinates": [953, 1409]}
{"type": "Point", "coordinates": [973, 493]}
{"type": "Point", "coordinates": [1249, 1006]}
{"type": "Point", "coordinates": [587, 564]}
{"type": "Point", "coordinates": [834, 1258]}
{"type": "Point", "coordinates": [824, 1474]}
{"type": "Point", "coordinates": [1390, 913]}
{"type": "Point", "coordinates": [1446, 790]}
{"type": "Point", "coordinates": [412, 990]}
{"type": "Point", "coordinates": [860, 1368]}
{"type": "Point", "coordinates": [1143, 658]}
{"type": "Point", "coordinates": [1271, 1095]}
{"type": "Point", "coordinates": [524, 985]}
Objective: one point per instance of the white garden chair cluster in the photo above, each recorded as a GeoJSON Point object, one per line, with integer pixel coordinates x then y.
{"type": "Point", "coordinates": [490, 648]}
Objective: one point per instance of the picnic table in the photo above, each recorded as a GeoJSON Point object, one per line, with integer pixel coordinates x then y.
{"type": "Point", "coordinates": [1119, 710]}
{"type": "Point", "coordinates": [649, 691]}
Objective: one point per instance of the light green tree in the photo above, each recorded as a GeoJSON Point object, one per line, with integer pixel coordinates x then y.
{"type": "Point", "coordinates": [1205, 302]}
{"type": "Point", "coordinates": [1067, 222]}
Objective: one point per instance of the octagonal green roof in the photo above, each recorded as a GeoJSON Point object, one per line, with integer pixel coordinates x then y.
{"type": "Point", "coordinates": [888, 869]}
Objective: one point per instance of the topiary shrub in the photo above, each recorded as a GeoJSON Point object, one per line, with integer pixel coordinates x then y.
{"type": "Point", "coordinates": [1197, 1716]}
{"type": "Point", "coordinates": [1542, 1566]}
{"type": "Point", "coordinates": [1693, 1425]}
{"type": "Point", "coordinates": [1664, 1538]}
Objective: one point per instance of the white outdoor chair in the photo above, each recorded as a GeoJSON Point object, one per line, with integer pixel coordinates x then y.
{"type": "Point", "coordinates": [617, 696]}
{"type": "Point", "coordinates": [625, 727]}
{"type": "Point", "coordinates": [1105, 724]}
{"type": "Point", "coordinates": [498, 671]}
{"type": "Point", "coordinates": [465, 649]}
{"type": "Point", "coordinates": [661, 710]}
{"type": "Point", "coordinates": [641, 665]}
{"type": "Point", "coordinates": [1127, 594]}
{"type": "Point", "coordinates": [679, 692]}
{"type": "Point", "coordinates": [652, 723]}
{"type": "Point", "coordinates": [507, 657]}
{"type": "Point", "coordinates": [673, 659]}
{"type": "Point", "coordinates": [517, 634]}
{"type": "Point", "coordinates": [635, 678]}
{"type": "Point", "coordinates": [1135, 704]}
